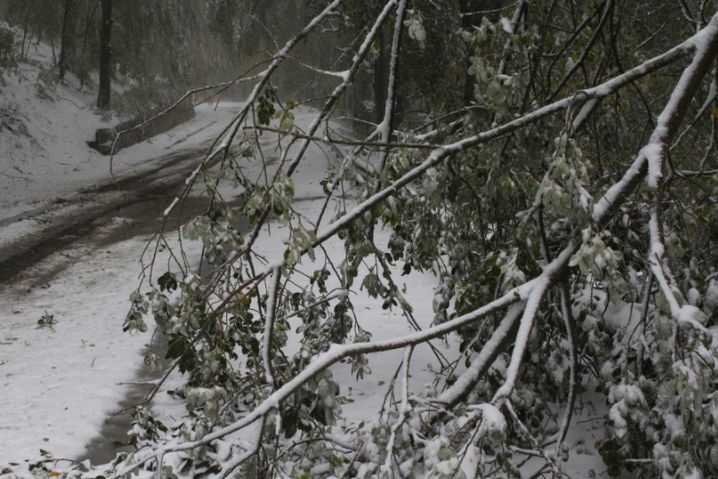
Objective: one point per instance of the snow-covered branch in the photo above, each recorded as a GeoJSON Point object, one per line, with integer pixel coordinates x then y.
{"type": "Point", "coordinates": [521, 306]}
{"type": "Point", "coordinates": [269, 326]}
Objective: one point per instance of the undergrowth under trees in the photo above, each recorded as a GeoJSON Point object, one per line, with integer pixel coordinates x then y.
{"type": "Point", "coordinates": [581, 179]}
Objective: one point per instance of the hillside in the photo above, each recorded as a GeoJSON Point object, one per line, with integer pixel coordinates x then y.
{"type": "Point", "coordinates": [44, 127]}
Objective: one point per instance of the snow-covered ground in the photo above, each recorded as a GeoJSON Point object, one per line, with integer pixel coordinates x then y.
{"type": "Point", "coordinates": [60, 377]}
{"type": "Point", "coordinates": [58, 381]}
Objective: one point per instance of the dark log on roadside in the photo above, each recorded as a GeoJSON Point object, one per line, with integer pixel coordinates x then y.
{"type": "Point", "coordinates": [128, 133]}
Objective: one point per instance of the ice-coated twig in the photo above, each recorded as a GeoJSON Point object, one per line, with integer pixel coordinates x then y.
{"type": "Point", "coordinates": [341, 88]}
{"type": "Point", "coordinates": [314, 126]}
{"type": "Point", "coordinates": [682, 313]}
{"type": "Point", "coordinates": [338, 294]}
{"type": "Point", "coordinates": [655, 152]}
{"type": "Point", "coordinates": [640, 325]}
{"type": "Point", "coordinates": [570, 326]}
{"type": "Point", "coordinates": [522, 336]}
{"type": "Point", "coordinates": [608, 6]}
{"type": "Point", "coordinates": [242, 458]}
{"type": "Point", "coordinates": [328, 106]}
{"type": "Point", "coordinates": [550, 461]}
{"type": "Point", "coordinates": [384, 128]}
{"type": "Point", "coordinates": [712, 94]}
{"type": "Point", "coordinates": [705, 44]}
{"type": "Point", "coordinates": [403, 411]}
{"type": "Point", "coordinates": [269, 326]}
{"type": "Point", "coordinates": [329, 140]}
{"type": "Point", "coordinates": [480, 364]}
{"type": "Point", "coordinates": [513, 26]}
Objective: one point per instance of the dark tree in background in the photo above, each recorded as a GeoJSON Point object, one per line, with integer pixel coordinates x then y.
{"type": "Point", "coordinates": [67, 37]}
{"type": "Point", "coordinates": [103, 96]}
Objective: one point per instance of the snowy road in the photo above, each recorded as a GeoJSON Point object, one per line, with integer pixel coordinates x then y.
{"type": "Point", "coordinates": [70, 241]}
{"type": "Point", "coordinates": [79, 270]}
{"type": "Point", "coordinates": [68, 218]}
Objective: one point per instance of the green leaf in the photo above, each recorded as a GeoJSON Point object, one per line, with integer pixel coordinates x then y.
{"type": "Point", "coordinates": [167, 282]}
{"type": "Point", "coordinates": [176, 348]}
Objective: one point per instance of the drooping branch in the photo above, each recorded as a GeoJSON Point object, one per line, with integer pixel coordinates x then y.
{"type": "Point", "coordinates": [590, 99]}
{"type": "Point", "coordinates": [269, 326]}
{"type": "Point", "coordinates": [655, 153]}
{"type": "Point", "coordinates": [555, 269]}
{"type": "Point", "coordinates": [335, 354]}
{"type": "Point", "coordinates": [498, 342]}
{"type": "Point", "coordinates": [604, 206]}
{"type": "Point", "coordinates": [403, 410]}
{"type": "Point", "coordinates": [570, 325]}
{"type": "Point", "coordinates": [531, 292]}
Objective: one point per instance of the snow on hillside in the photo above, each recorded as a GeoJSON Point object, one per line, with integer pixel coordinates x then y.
{"type": "Point", "coordinates": [44, 127]}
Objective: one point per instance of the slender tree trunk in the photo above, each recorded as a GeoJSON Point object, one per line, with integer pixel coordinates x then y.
{"type": "Point", "coordinates": [89, 25]}
{"type": "Point", "coordinates": [24, 29]}
{"type": "Point", "coordinates": [466, 24]}
{"type": "Point", "coordinates": [103, 96]}
{"type": "Point", "coordinates": [66, 37]}
{"type": "Point", "coordinates": [381, 75]}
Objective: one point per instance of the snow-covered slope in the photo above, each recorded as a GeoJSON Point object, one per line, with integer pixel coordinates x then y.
{"type": "Point", "coordinates": [43, 129]}
{"type": "Point", "coordinates": [44, 126]}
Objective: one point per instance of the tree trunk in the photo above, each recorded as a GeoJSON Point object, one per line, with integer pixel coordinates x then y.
{"type": "Point", "coordinates": [89, 25]}
{"type": "Point", "coordinates": [66, 38]}
{"type": "Point", "coordinates": [24, 30]}
{"type": "Point", "coordinates": [381, 75]}
{"type": "Point", "coordinates": [103, 96]}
